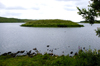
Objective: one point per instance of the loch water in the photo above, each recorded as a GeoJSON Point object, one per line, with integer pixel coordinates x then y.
{"type": "Point", "coordinates": [61, 41]}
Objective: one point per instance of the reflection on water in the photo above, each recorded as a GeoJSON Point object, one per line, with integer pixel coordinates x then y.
{"type": "Point", "coordinates": [97, 31]}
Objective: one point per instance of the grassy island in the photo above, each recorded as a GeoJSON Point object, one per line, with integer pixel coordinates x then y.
{"type": "Point", "coordinates": [51, 23]}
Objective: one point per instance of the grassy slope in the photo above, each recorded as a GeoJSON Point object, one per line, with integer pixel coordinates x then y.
{"type": "Point", "coordinates": [12, 20]}
{"type": "Point", "coordinates": [52, 23]}
{"type": "Point", "coordinates": [87, 58]}
{"type": "Point", "coordinates": [3, 20]}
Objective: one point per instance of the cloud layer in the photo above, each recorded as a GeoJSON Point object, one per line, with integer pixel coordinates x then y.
{"type": "Point", "coordinates": [42, 9]}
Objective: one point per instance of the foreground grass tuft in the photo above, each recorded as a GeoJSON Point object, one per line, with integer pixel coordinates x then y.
{"type": "Point", "coordinates": [83, 58]}
{"type": "Point", "coordinates": [51, 23]}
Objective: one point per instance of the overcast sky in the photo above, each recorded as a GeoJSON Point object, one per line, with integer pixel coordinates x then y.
{"type": "Point", "coordinates": [42, 9]}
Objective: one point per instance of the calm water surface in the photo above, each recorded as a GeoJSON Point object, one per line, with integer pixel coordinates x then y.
{"type": "Point", "coordinates": [13, 38]}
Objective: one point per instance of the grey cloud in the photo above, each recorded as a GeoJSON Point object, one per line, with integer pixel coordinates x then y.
{"type": "Point", "coordinates": [78, 3]}
{"type": "Point", "coordinates": [44, 4]}
{"type": "Point", "coordinates": [15, 8]}
{"type": "Point", "coordinates": [70, 9]}
{"type": "Point", "coordinates": [68, 5]}
{"type": "Point", "coordinates": [82, 4]}
{"type": "Point", "coordinates": [21, 8]}
{"type": "Point", "coordinates": [11, 14]}
{"type": "Point", "coordinates": [2, 6]}
{"type": "Point", "coordinates": [34, 8]}
{"type": "Point", "coordinates": [67, 0]}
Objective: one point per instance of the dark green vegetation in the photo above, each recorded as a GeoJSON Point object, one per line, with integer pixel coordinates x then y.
{"type": "Point", "coordinates": [82, 58]}
{"type": "Point", "coordinates": [97, 32]}
{"type": "Point", "coordinates": [92, 12]}
{"type": "Point", "coordinates": [12, 20]}
{"type": "Point", "coordinates": [51, 23]}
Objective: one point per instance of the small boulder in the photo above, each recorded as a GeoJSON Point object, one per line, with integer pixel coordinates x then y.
{"type": "Point", "coordinates": [34, 48]}
{"type": "Point", "coordinates": [47, 45]}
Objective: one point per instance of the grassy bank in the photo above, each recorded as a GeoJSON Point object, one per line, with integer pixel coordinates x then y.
{"type": "Point", "coordinates": [82, 58]}
{"type": "Point", "coordinates": [51, 23]}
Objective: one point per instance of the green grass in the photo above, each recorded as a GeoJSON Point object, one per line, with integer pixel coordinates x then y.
{"type": "Point", "coordinates": [83, 58]}
{"type": "Point", "coordinates": [51, 23]}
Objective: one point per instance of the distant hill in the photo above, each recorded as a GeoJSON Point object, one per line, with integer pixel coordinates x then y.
{"type": "Point", "coordinates": [96, 21]}
{"type": "Point", "coordinates": [13, 20]}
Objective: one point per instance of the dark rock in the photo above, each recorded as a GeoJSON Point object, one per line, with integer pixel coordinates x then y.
{"type": "Point", "coordinates": [55, 48]}
{"type": "Point", "coordinates": [47, 49]}
{"type": "Point", "coordinates": [14, 54]}
{"type": "Point", "coordinates": [9, 52]}
{"type": "Point", "coordinates": [55, 55]}
{"type": "Point", "coordinates": [18, 51]}
{"type": "Point", "coordinates": [83, 47]}
{"type": "Point", "coordinates": [24, 55]}
{"type": "Point", "coordinates": [33, 53]}
{"type": "Point", "coordinates": [71, 52]}
{"type": "Point", "coordinates": [22, 51]}
{"type": "Point", "coordinates": [34, 48]}
{"type": "Point", "coordinates": [36, 51]}
{"type": "Point", "coordinates": [5, 54]}
{"type": "Point", "coordinates": [50, 54]}
{"type": "Point", "coordinates": [51, 50]}
{"type": "Point", "coordinates": [62, 51]}
{"type": "Point", "coordinates": [47, 45]}
{"type": "Point", "coordinates": [29, 53]}
{"type": "Point", "coordinates": [76, 53]}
